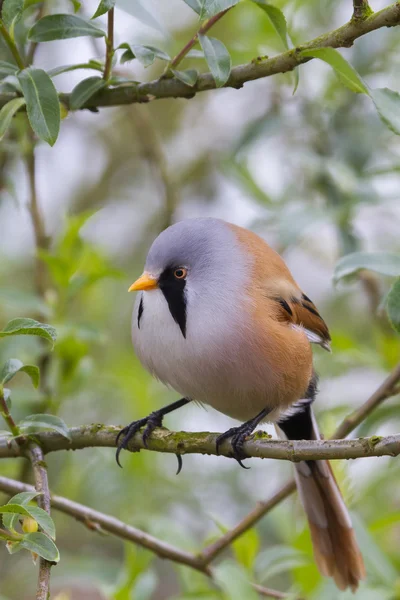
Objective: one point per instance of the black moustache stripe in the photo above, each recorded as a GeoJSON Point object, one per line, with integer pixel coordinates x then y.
{"type": "Point", "coordinates": [174, 293]}
{"type": "Point", "coordinates": [140, 311]}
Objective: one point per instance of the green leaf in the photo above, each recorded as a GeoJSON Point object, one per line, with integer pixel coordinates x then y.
{"type": "Point", "coordinates": [10, 520]}
{"type": "Point", "coordinates": [7, 113]}
{"type": "Point", "coordinates": [17, 509]}
{"type": "Point", "coordinates": [22, 326]}
{"type": "Point", "coordinates": [146, 55]}
{"type": "Point", "coordinates": [34, 423]}
{"type": "Point", "coordinates": [11, 12]}
{"type": "Point", "coordinates": [41, 545]}
{"type": "Point", "coordinates": [13, 366]}
{"type": "Point", "coordinates": [194, 53]}
{"type": "Point", "coordinates": [277, 19]}
{"type": "Point", "coordinates": [24, 497]}
{"type": "Point", "coordinates": [246, 548]}
{"type": "Point", "coordinates": [29, 3]}
{"type": "Point", "coordinates": [393, 305]}
{"type": "Point", "coordinates": [42, 103]}
{"type": "Point", "coordinates": [387, 103]}
{"type": "Point", "coordinates": [126, 57]}
{"type": "Point", "coordinates": [208, 8]}
{"type": "Point", "coordinates": [233, 580]}
{"type": "Point", "coordinates": [11, 85]}
{"type": "Point", "coordinates": [85, 90]}
{"type": "Point", "coordinates": [62, 27]}
{"type": "Point", "coordinates": [44, 520]}
{"type": "Point", "coordinates": [345, 72]}
{"type": "Point", "coordinates": [7, 69]}
{"type": "Point", "coordinates": [103, 7]}
{"type": "Point", "coordinates": [218, 59]}
{"type": "Point", "coordinates": [128, 54]}
{"type": "Point", "coordinates": [116, 81]}
{"type": "Point", "coordinates": [381, 262]}
{"type": "Point", "coordinates": [76, 4]}
{"type": "Point", "coordinates": [197, 5]}
{"type": "Point", "coordinates": [7, 397]}
{"type": "Point", "coordinates": [278, 22]}
{"type": "Point", "coordinates": [189, 76]}
{"type": "Point", "coordinates": [96, 66]}
{"type": "Point", "coordinates": [40, 515]}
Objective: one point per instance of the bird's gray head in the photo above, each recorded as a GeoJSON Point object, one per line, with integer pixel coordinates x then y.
{"type": "Point", "coordinates": [195, 244]}
{"type": "Point", "coordinates": [193, 262]}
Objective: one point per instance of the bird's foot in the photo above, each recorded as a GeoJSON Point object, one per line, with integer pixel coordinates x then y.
{"type": "Point", "coordinates": [238, 437]}
{"type": "Point", "coordinates": [150, 423]}
{"type": "Point", "coordinates": [127, 433]}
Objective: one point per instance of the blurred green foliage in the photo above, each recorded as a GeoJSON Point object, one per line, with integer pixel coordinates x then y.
{"type": "Point", "coordinates": [316, 174]}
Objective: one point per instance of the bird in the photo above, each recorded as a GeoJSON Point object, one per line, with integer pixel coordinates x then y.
{"type": "Point", "coordinates": [220, 319]}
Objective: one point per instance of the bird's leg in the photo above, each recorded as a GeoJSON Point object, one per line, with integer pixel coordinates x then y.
{"type": "Point", "coordinates": [154, 420]}
{"type": "Point", "coordinates": [239, 435]}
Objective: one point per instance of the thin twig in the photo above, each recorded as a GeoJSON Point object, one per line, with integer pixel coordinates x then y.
{"type": "Point", "coordinates": [11, 45]}
{"type": "Point", "coordinates": [4, 411]}
{"type": "Point", "coordinates": [203, 29]}
{"type": "Point", "coordinates": [213, 550]}
{"type": "Point", "coordinates": [361, 9]}
{"type": "Point", "coordinates": [387, 389]}
{"type": "Point", "coordinates": [89, 516]}
{"type": "Point", "coordinates": [97, 521]}
{"type": "Point", "coordinates": [41, 239]}
{"type": "Point", "coordinates": [42, 486]}
{"type": "Point", "coordinates": [269, 593]}
{"type": "Point", "coordinates": [35, 452]}
{"type": "Point", "coordinates": [42, 242]}
{"type": "Point", "coordinates": [109, 45]}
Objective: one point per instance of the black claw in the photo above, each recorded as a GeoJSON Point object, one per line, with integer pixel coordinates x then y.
{"type": "Point", "coordinates": [117, 456]}
{"type": "Point", "coordinates": [238, 435]}
{"type": "Point", "coordinates": [150, 423]}
{"type": "Point", "coordinates": [180, 463]}
{"type": "Point", "coordinates": [128, 433]}
{"type": "Point", "coordinates": [240, 462]}
{"type": "Point", "coordinates": [122, 432]}
{"type": "Point", "coordinates": [153, 421]}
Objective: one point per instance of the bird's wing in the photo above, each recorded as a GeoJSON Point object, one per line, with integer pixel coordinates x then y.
{"type": "Point", "coordinates": [297, 309]}
{"type": "Point", "coordinates": [273, 281]}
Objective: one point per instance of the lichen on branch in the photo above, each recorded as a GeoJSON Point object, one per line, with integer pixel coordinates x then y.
{"type": "Point", "coordinates": [257, 446]}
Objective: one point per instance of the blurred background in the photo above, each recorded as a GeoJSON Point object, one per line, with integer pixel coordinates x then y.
{"type": "Point", "coordinates": [317, 175]}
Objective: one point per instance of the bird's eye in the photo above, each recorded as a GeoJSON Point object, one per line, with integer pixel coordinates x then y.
{"type": "Point", "coordinates": [180, 273]}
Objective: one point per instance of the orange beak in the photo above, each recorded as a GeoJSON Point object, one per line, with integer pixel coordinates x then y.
{"type": "Point", "coordinates": [145, 282]}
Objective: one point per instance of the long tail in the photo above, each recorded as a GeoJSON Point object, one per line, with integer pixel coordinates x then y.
{"type": "Point", "coordinates": [335, 547]}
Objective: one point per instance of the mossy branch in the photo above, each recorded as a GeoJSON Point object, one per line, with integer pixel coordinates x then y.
{"type": "Point", "coordinates": [259, 445]}
{"type": "Point", "coordinates": [343, 37]}
{"type": "Point", "coordinates": [35, 455]}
